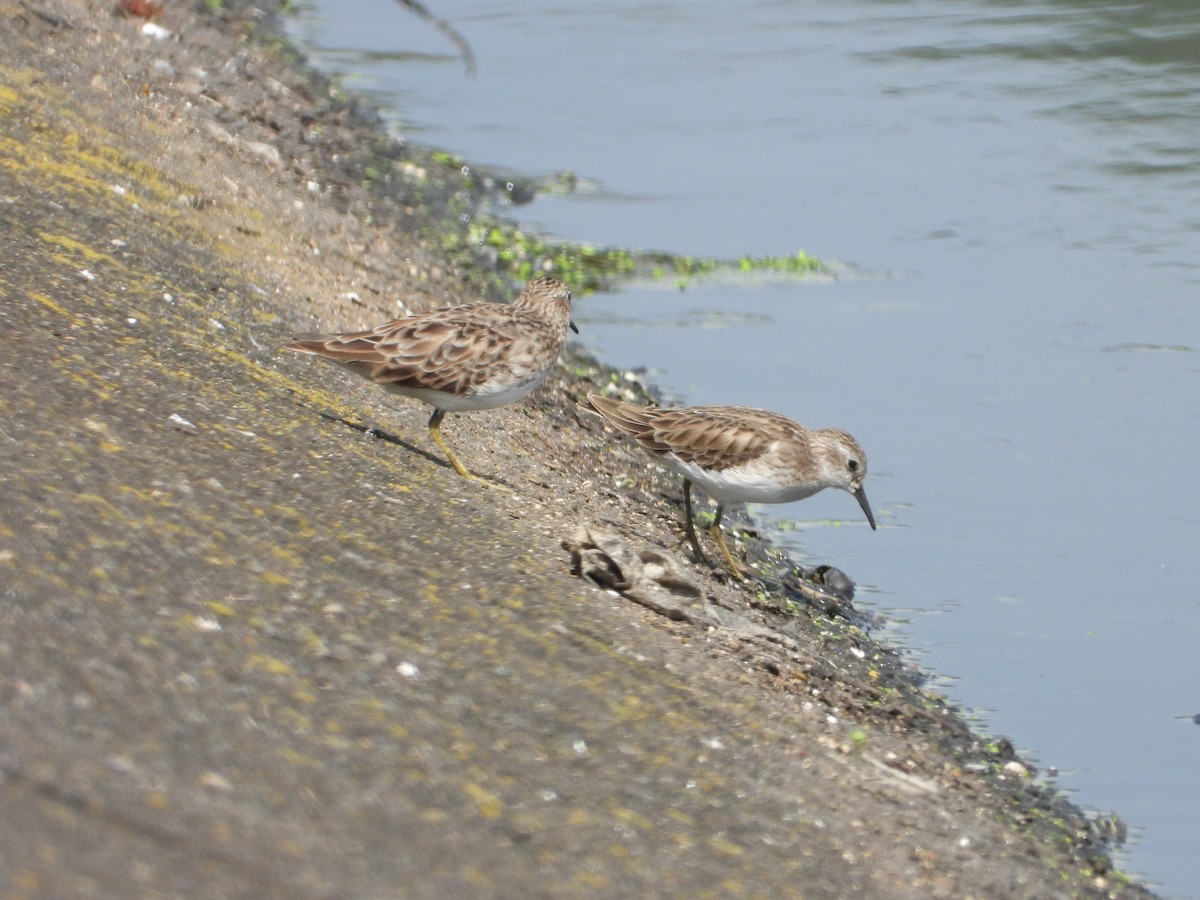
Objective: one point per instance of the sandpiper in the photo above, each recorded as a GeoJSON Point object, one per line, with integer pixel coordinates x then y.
{"type": "Point", "coordinates": [460, 358]}
{"type": "Point", "coordinates": [737, 454]}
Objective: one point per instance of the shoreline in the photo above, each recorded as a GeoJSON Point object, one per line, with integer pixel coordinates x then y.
{"type": "Point", "coordinates": [260, 651]}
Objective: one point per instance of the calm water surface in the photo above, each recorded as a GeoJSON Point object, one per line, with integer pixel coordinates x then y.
{"type": "Point", "coordinates": [1020, 186]}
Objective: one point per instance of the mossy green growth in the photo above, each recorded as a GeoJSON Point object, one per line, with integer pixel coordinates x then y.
{"type": "Point", "coordinates": [442, 158]}
{"type": "Point", "coordinates": [800, 264]}
{"type": "Point", "coordinates": [521, 256]}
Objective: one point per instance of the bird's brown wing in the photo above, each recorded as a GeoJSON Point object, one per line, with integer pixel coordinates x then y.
{"type": "Point", "coordinates": [451, 350]}
{"type": "Point", "coordinates": [715, 437]}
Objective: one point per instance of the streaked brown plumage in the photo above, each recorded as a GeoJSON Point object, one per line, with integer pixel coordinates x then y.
{"type": "Point", "coordinates": [459, 358]}
{"type": "Point", "coordinates": [738, 454]}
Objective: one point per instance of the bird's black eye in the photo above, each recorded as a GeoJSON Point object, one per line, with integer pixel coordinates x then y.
{"type": "Point", "coordinates": [853, 465]}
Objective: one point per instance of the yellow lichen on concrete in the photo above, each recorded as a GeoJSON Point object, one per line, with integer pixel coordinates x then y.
{"type": "Point", "coordinates": [487, 804]}
{"type": "Point", "coordinates": [89, 255]}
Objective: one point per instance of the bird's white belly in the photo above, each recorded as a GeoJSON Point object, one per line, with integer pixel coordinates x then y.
{"type": "Point", "coordinates": [751, 483]}
{"type": "Point", "coordinates": [488, 396]}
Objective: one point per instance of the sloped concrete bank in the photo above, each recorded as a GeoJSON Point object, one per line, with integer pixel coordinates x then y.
{"type": "Point", "coordinates": [247, 647]}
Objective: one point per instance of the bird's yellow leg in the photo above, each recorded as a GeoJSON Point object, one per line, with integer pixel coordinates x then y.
{"type": "Point", "coordinates": [738, 571]}
{"type": "Point", "coordinates": [691, 528]}
{"type": "Point", "coordinates": [435, 430]}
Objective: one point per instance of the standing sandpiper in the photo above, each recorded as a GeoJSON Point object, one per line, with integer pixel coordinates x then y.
{"type": "Point", "coordinates": [459, 358]}
{"type": "Point", "coordinates": [737, 454]}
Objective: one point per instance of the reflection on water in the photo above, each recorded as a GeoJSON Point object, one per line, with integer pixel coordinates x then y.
{"type": "Point", "coordinates": [1025, 385]}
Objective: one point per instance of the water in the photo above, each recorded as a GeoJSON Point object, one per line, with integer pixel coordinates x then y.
{"type": "Point", "coordinates": [1020, 185]}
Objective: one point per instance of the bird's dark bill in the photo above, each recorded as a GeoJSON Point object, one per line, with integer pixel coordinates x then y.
{"type": "Point", "coordinates": [861, 496]}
